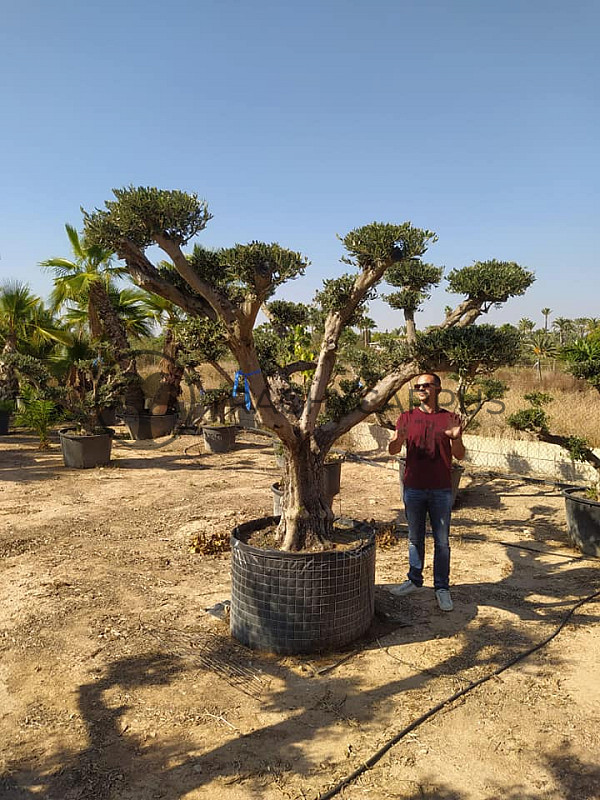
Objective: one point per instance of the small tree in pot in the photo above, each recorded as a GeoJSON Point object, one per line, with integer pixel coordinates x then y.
{"type": "Point", "coordinates": [36, 393]}
{"type": "Point", "coordinates": [582, 358]}
{"type": "Point", "coordinates": [232, 284]}
{"type": "Point", "coordinates": [534, 419]}
{"type": "Point", "coordinates": [98, 384]}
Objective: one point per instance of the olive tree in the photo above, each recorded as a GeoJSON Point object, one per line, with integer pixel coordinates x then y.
{"type": "Point", "coordinates": [232, 284]}
{"type": "Point", "coordinates": [582, 359]}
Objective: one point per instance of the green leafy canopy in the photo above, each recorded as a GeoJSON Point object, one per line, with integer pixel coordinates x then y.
{"type": "Point", "coordinates": [491, 281]}
{"type": "Point", "coordinates": [140, 214]}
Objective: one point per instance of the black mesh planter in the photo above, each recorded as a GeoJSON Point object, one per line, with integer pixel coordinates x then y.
{"type": "Point", "coordinates": [299, 602]}
{"type": "Point", "coordinates": [85, 452]}
{"type": "Point", "coordinates": [150, 426]}
{"type": "Point", "coordinates": [583, 521]}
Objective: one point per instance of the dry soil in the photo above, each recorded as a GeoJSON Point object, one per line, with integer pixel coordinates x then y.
{"type": "Point", "coordinates": [116, 684]}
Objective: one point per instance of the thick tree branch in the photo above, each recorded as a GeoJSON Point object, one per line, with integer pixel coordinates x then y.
{"type": "Point", "coordinates": [298, 366]}
{"type": "Point", "coordinates": [373, 401]}
{"type": "Point", "coordinates": [464, 314]}
{"type": "Point", "coordinates": [268, 413]}
{"type": "Point", "coordinates": [225, 375]}
{"type": "Point", "coordinates": [564, 442]}
{"type": "Point", "coordinates": [145, 275]}
{"type": "Point", "coordinates": [248, 313]}
{"type": "Point", "coordinates": [334, 325]}
{"type": "Point", "coordinates": [222, 306]}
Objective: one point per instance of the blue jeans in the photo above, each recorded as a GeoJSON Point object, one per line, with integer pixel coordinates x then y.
{"type": "Point", "coordinates": [438, 504]}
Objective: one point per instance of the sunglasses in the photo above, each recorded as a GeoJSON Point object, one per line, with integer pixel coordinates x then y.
{"type": "Point", "coordinates": [419, 386]}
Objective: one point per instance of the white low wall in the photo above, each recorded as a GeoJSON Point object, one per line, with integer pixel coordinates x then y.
{"type": "Point", "coordinates": [503, 455]}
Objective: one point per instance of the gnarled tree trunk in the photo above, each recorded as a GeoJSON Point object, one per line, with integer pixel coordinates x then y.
{"type": "Point", "coordinates": [9, 382]}
{"type": "Point", "coordinates": [306, 515]}
{"type": "Point", "coordinates": [171, 373]}
{"type": "Point", "coordinates": [114, 331]}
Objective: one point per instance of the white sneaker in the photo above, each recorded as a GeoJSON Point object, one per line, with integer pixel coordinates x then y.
{"type": "Point", "coordinates": [404, 588]}
{"type": "Point", "coordinates": [444, 599]}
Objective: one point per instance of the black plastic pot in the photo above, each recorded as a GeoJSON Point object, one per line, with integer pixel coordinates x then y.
{"type": "Point", "coordinates": [279, 454]}
{"type": "Point", "coordinates": [246, 419]}
{"type": "Point", "coordinates": [108, 416]}
{"type": "Point", "coordinates": [150, 426]}
{"type": "Point", "coordinates": [85, 452]}
{"type": "Point", "coordinates": [331, 486]}
{"type": "Point", "coordinates": [455, 475]}
{"type": "Point", "coordinates": [277, 492]}
{"type": "Point", "coordinates": [4, 420]}
{"type": "Point", "coordinates": [583, 522]}
{"type": "Point", "coordinates": [220, 438]}
{"type": "Point", "coordinates": [332, 476]}
{"type": "Point", "coordinates": [299, 602]}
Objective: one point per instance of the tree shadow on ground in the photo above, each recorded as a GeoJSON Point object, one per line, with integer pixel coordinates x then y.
{"type": "Point", "coordinates": [29, 466]}
{"type": "Point", "coordinates": [113, 765]}
{"type": "Point", "coordinates": [573, 778]}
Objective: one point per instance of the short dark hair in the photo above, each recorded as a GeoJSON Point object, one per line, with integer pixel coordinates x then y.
{"type": "Point", "coordinates": [436, 378]}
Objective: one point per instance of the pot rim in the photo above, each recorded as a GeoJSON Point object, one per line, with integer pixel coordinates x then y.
{"type": "Point", "coordinates": [225, 427]}
{"type": "Point", "coordinates": [570, 494]}
{"type": "Point", "coordinates": [139, 415]}
{"type": "Point", "coordinates": [270, 552]}
{"type": "Point", "coordinates": [67, 433]}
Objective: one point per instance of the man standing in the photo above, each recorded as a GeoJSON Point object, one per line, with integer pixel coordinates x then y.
{"type": "Point", "coordinates": [433, 436]}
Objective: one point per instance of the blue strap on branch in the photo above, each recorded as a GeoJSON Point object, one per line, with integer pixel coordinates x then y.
{"type": "Point", "coordinates": [239, 374]}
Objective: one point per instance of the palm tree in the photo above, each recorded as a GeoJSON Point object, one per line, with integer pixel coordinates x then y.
{"type": "Point", "coordinates": [184, 339]}
{"type": "Point", "coordinates": [564, 327]}
{"type": "Point", "coordinates": [546, 313]}
{"type": "Point", "coordinates": [581, 327]}
{"type": "Point", "coordinates": [74, 279]}
{"type": "Point", "coordinates": [543, 347]}
{"type": "Point", "coordinates": [166, 314]}
{"type": "Point", "coordinates": [131, 306]}
{"type": "Point", "coordinates": [89, 277]}
{"type": "Point", "coordinates": [525, 326]}
{"type": "Point", "coordinates": [26, 327]}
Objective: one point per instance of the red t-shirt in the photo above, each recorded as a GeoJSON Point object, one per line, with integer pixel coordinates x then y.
{"type": "Point", "coordinates": [428, 449]}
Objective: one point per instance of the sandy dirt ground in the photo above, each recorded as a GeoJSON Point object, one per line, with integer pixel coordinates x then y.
{"type": "Point", "coordinates": [115, 682]}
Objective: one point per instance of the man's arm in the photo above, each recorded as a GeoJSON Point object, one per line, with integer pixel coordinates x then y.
{"type": "Point", "coordinates": [458, 448]}
{"type": "Point", "coordinates": [454, 433]}
{"type": "Point", "coordinates": [396, 443]}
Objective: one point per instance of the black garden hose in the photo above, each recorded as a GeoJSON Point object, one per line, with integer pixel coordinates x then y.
{"type": "Point", "coordinates": [370, 762]}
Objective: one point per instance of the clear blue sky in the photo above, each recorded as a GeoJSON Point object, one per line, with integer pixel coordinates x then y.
{"type": "Point", "coordinates": [300, 120]}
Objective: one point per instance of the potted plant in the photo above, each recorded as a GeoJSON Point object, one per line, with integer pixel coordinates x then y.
{"type": "Point", "coordinates": [32, 395]}
{"type": "Point", "coordinates": [219, 435]}
{"type": "Point", "coordinates": [37, 413]}
{"type": "Point", "coordinates": [582, 505]}
{"type": "Point", "coordinates": [98, 384]}
{"type": "Point", "coordinates": [144, 425]}
{"type": "Point", "coordinates": [308, 595]}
